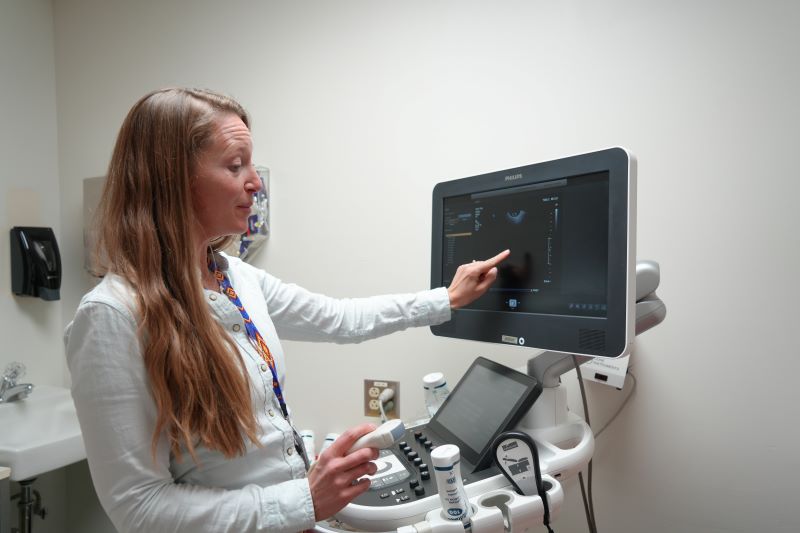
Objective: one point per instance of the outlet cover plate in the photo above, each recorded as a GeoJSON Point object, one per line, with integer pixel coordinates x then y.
{"type": "Point", "coordinates": [372, 389]}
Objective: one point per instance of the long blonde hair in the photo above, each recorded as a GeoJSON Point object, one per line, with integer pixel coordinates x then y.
{"type": "Point", "coordinates": [145, 216]}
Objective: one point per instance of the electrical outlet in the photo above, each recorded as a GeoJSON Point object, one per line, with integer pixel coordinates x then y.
{"type": "Point", "coordinates": [372, 389]}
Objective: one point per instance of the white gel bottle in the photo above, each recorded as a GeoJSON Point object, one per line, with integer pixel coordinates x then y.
{"type": "Point", "coordinates": [446, 460]}
{"type": "Point", "coordinates": [308, 443]}
{"type": "Point", "coordinates": [329, 438]}
{"type": "Point", "coordinates": [436, 391]}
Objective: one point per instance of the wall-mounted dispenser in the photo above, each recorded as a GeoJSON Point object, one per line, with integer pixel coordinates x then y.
{"type": "Point", "coordinates": [35, 263]}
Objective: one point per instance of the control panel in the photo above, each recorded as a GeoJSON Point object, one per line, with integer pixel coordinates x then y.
{"type": "Point", "coordinates": [405, 473]}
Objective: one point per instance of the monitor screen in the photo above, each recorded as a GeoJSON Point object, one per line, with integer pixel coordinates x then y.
{"type": "Point", "coordinates": [567, 285]}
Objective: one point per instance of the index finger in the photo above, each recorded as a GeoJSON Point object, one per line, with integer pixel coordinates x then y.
{"type": "Point", "coordinates": [496, 260]}
{"type": "Point", "coordinates": [349, 437]}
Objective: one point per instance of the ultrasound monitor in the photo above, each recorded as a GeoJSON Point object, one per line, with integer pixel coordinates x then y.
{"type": "Point", "coordinates": [568, 285]}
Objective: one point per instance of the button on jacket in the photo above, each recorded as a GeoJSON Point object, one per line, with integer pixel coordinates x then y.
{"type": "Point", "coordinates": [266, 488]}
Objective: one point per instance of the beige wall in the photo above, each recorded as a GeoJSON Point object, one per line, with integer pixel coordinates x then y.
{"type": "Point", "coordinates": [361, 107]}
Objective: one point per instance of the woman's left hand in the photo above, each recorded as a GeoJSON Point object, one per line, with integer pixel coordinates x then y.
{"type": "Point", "coordinates": [473, 279]}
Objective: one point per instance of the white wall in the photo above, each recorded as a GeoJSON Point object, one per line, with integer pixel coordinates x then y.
{"type": "Point", "coordinates": [28, 179]}
{"type": "Point", "coordinates": [30, 196]}
{"type": "Point", "coordinates": [360, 107]}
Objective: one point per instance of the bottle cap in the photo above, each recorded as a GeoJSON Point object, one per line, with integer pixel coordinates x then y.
{"type": "Point", "coordinates": [433, 380]}
{"type": "Point", "coordinates": [329, 438]}
{"type": "Point", "coordinates": [445, 456]}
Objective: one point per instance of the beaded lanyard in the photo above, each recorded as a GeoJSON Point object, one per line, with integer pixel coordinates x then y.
{"type": "Point", "coordinates": [252, 333]}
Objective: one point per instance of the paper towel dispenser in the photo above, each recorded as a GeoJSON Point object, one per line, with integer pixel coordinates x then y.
{"type": "Point", "coordinates": [35, 263]}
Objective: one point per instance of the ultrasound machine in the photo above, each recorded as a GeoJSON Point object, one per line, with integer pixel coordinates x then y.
{"type": "Point", "coordinates": [572, 287]}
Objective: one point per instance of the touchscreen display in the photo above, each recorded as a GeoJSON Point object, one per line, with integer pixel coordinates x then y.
{"type": "Point", "coordinates": [484, 401]}
{"type": "Point", "coordinates": [557, 232]}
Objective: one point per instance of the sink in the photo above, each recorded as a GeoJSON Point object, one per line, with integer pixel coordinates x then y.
{"type": "Point", "coordinates": [40, 433]}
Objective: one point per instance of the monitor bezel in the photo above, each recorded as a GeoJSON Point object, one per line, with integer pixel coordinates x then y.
{"type": "Point", "coordinates": [479, 459]}
{"type": "Point", "coordinates": [560, 333]}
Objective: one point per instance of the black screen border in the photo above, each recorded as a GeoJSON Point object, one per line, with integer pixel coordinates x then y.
{"type": "Point", "coordinates": [560, 333]}
{"type": "Point", "coordinates": [479, 459]}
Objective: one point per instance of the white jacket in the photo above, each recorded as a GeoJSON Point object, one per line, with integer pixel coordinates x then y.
{"type": "Point", "coordinates": [263, 490]}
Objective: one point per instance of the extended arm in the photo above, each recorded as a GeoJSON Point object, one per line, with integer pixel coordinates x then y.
{"type": "Point", "coordinates": [299, 314]}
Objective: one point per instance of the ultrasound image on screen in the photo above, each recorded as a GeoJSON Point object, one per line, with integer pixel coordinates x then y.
{"type": "Point", "coordinates": [485, 399]}
{"type": "Point", "coordinates": [557, 232]}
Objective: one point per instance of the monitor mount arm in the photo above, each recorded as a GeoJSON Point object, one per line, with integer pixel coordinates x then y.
{"type": "Point", "coordinates": [565, 440]}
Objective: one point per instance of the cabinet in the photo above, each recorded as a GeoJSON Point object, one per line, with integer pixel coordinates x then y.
{"type": "Point", "coordinates": [5, 500]}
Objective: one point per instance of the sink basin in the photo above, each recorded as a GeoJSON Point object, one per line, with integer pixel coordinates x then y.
{"type": "Point", "coordinates": [40, 433]}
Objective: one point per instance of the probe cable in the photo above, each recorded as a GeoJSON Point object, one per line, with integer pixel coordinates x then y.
{"type": "Point", "coordinates": [588, 504]}
{"type": "Point", "coordinates": [385, 403]}
{"type": "Point", "coordinates": [589, 507]}
{"type": "Point", "coordinates": [621, 407]}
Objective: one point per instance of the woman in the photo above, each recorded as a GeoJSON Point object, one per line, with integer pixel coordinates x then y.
{"type": "Point", "coordinates": [176, 363]}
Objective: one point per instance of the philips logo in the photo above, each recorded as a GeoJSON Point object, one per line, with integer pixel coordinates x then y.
{"type": "Point", "coordinates": [513, 177]}
{"type": "Point", "coordinates": [510, 339]}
